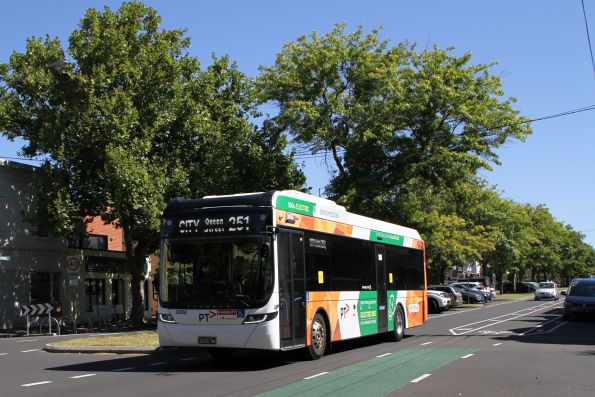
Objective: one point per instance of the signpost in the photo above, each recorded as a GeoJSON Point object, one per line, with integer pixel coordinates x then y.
{"type": "Point", "coordinates": [38, 310]}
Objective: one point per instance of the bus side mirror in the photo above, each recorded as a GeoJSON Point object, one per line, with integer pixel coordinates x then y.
{"type": "Point", "coordinates": [155, 283]}
{"type": "Point", "coordinates": [264, 250]}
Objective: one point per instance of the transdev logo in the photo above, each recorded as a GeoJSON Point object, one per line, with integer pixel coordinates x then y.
{"type": "Point", "coordinates": [295, 205]}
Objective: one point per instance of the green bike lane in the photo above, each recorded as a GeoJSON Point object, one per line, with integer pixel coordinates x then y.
{"type": "Point", "coordinates": [375, 377]}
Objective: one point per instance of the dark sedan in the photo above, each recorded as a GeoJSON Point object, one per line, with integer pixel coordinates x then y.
{"type": "Point", "coordinates": [487, 295]}
{"type": "Point", "coordinates": [470, 296]}
{"type": "Point", "coordinates": [580, 298]}
{"type": "Point", "coordinates": [456, 298]}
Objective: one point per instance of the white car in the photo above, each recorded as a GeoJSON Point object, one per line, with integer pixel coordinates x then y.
{"type": "Point", "coordinates": [438, 301]}
{"type": "Point", "coordinates": [546, 290]}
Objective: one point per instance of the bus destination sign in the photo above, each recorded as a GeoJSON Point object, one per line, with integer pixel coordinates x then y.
{"type": "Point", "coordinates": [205, 223]}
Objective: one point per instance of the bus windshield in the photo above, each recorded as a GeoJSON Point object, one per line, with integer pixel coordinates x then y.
{"type": "Point", "coordinates": [224, 272]}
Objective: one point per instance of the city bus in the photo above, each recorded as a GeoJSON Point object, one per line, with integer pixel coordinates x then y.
{"type": "Point", "coordinates": [284, 270]}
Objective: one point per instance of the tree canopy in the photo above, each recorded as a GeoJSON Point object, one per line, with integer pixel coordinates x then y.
{"type": "Point", "coordinates": [126, 120]}
{"type": "Point", "coordinates": [407, 131]}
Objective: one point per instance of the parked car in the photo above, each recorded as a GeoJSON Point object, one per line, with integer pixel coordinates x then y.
{"type": "Point", "coordinates": [470, 296]}
{"type": "Point", "coordinates": [438, 301]}
{"type": "Point", "coordinates": [487, 295]}
{"type": "Point", "coordinates": [519, 287]}
{"type": "Point", "coordinates": [546, 290]}
{"type": "Point", "coordinates": [456, 298]}
{"type": "Point", "coordinates": [580, 298]}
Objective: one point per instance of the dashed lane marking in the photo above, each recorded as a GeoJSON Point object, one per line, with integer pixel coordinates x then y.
{"type": "Point", "coordinates": [45, 382]}
{"type": "Point", "coordinates": [384, 355]}
{"type": "Point", "coordinates": [468, 355]}
{"type": "Point", "coordinates": [25, 340]}
{"type": "Point", "coordinates": [496, 344]}
{"type": "Point", "coordinates": [159, 363]}
{"type": "Point", "coordinates": [122, 369]}
{"type": "Point", "coordinates": [427, 343]}
{"type": "Point", "coordinates": [315, 376]}
{"type": "Point", "coordinates": [3, 354]}
{"type": "Point", "coordinates": [424, 376]}
{"type": "Point", "coordinates": [82, 376]}
{"type": "Point", "coordinates": [29, 351]}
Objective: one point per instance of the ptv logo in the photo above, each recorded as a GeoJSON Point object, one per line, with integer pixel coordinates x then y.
{"type": "Point", "coordinates": [344, 310]}
{"type": "Point", "coordinates": [206, 316]}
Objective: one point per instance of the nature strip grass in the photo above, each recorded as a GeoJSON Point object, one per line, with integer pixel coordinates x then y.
{"type": "Point", "coordinates": [136, 339]}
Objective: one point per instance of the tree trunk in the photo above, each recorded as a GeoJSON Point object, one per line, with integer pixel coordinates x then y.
{"type": "Point", "coordinates": [136, 255]}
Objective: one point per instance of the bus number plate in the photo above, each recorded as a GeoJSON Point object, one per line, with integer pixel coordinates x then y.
{"type": "Point", "coordinates": [207, 340]}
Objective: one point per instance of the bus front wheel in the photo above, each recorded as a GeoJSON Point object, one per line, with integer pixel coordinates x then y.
{"type": "Point", "coordinates": [318, 338]}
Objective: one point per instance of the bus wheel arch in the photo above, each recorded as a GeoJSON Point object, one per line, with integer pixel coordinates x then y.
{"type": "Point", "coordinates": [319, 336]}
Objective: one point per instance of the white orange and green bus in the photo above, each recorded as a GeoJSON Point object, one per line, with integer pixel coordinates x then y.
{"type": "Point", "coordinates": [284, 270]}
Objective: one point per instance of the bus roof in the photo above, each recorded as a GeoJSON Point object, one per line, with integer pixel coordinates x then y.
{"type": "Point", "coordinates": [299, 203]}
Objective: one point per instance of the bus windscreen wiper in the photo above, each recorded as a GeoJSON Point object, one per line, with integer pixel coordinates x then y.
{"type": "Point", "coordinates": [242, 299]}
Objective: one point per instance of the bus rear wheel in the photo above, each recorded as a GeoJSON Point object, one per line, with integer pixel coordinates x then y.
{"type": "Point", "coordinates": [399, 331]}
{"type": "Point", "coordinates": [318, 338]}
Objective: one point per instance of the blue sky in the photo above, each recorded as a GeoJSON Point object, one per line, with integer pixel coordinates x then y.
{"type": "Point", "coordinates": [540, 45]}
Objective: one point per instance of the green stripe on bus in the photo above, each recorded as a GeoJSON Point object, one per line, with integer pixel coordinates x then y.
{"type": "Point", "coordinates": [376, 377]}
{"type": "Point", "coordinates": [387, 238]}
{"type": "Point", "coordinates": [295, 205]}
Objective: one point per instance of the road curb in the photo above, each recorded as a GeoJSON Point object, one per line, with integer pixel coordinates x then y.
{"type": "Point", "coordinates": [96, 349]}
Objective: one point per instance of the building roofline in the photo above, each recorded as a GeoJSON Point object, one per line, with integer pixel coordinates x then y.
{"type": "Point", "coordinates": [14, 164]}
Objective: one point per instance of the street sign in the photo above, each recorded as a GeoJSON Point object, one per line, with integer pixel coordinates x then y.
{"type": "Point", "coordinates": [36, 309]}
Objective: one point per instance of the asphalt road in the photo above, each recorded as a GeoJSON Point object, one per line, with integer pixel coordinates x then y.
{"type": "Point", "coordinates": [506, 348]}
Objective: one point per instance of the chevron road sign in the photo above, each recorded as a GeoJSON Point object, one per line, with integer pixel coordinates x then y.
{"type": "Point", "coordinates": [36, 309]}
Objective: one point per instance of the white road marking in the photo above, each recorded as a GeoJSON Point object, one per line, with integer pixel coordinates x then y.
{"type": "Point", "coordinates": [384, 355]}
{"type": "Point", "coordinates": [82, 376]}
{"type": "Point", "coordinates": [424, 376]}
{"type": "Point", "coordinates": [29, 351]}
{"type": "Point", "coordinates": [556, 327]}
{"type": "Point", "coordinates": [25, 340]}
{"type": "Point", "coordinates": [496, 344]}
{"type": "Point", "coordinates": [468, 355]}
{"type": "Point", "coordinates": [315, 376]}
{"type": "Point", "coordinates": [536, 328]}
{"type": "Point", "coordinates": [427, 343]}
{"type": "Point", "coordinates": [3, 354]}
{"type": "Point", "coordinates": [500, 319]}
{"type": "Point", "coordinates": [188, 359]}
{"type": "Point", "coordinates": [122, 369]}
{"type": "Point", "coordinates": [483, 307]}
{"type": "Point", "coordinates": [37, 383]}
{"type": "Point", "coordinates": [159, 363]}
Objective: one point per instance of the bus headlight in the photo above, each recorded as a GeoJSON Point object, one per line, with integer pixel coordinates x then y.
{"type": "Point", "coordinates": [259, 318]}
{"type": "Point", "coordinates": [166, 318]}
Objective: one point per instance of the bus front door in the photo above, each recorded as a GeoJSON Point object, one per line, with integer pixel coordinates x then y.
{"type": "Point", "coordinates": [381, 286]}
{"type": "Point", "coordinates": [292, 289]}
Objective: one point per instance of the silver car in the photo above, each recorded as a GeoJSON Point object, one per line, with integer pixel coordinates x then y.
{"type": "Point", "coordinates": [546, 290]}
{"type": "Point", "coordinates": [438, 301]}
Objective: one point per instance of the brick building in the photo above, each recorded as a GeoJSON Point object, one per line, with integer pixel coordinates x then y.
{"type": "Point", "coordinates": [87, 274]}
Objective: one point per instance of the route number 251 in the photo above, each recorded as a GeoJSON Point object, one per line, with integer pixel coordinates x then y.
{"type": "Point", "coordinates": [238, 223]}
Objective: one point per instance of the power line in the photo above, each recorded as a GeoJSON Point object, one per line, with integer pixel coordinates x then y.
{"type": "Point", "coordinates": [588, 36]}
{"type": "Point", "coordinates": [306, 155]}
{"type": "Point", "coordinates": [302, 155]}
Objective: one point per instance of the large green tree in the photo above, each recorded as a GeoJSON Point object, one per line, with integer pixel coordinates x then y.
{"type": "Point", "coordinates": [126, 120]}
{"type": "Point", "coordinates": [406, 130]}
